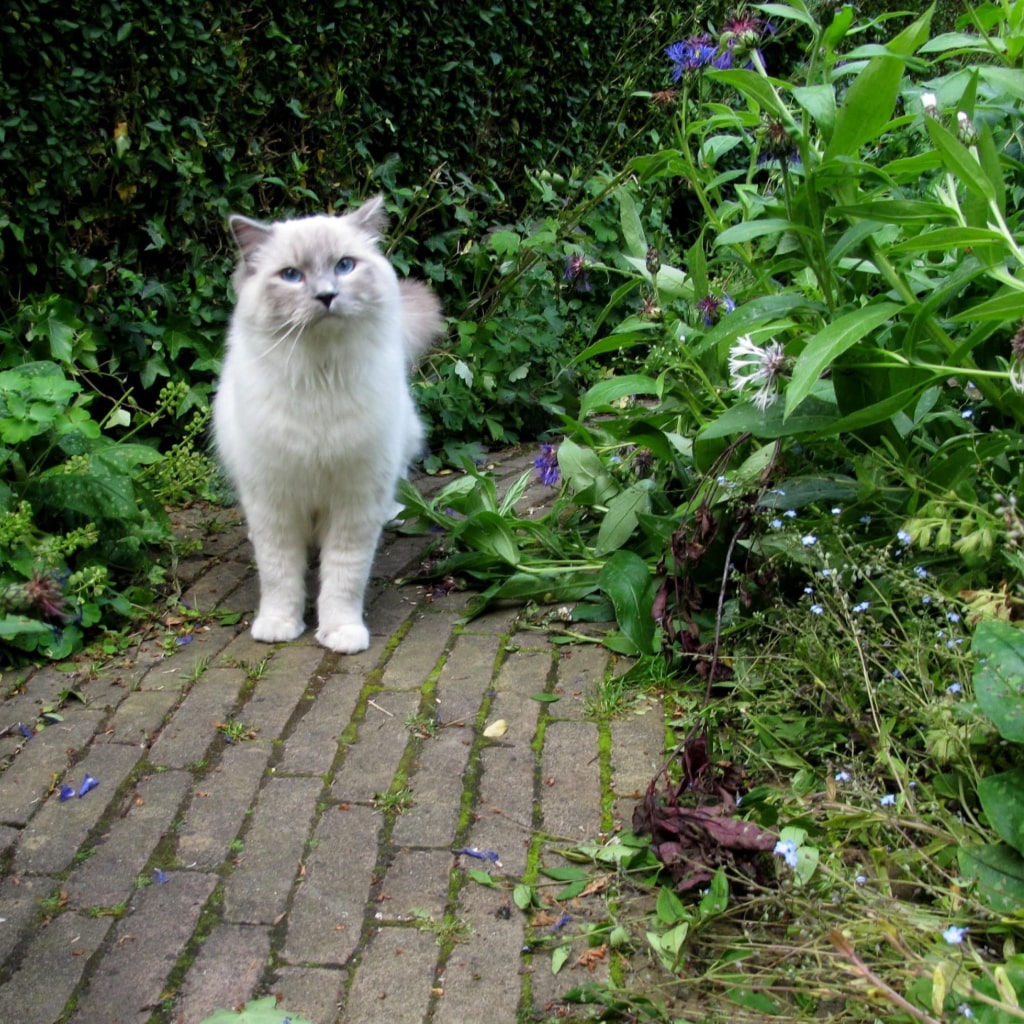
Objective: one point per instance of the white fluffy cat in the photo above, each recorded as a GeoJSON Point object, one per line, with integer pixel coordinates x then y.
{"type": "Point", "coordinates": [313, 418]}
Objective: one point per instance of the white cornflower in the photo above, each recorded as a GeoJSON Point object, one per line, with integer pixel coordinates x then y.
{"type": "Point", "coordinates": [751, 366]}
{"type": "Point", "coordinates": [786, 849]}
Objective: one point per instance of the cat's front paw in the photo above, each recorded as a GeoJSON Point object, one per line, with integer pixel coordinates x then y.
{"type": "Point", "coordinates": [347, 639]}
{"type": "Point", "coordinates": [272, 629]}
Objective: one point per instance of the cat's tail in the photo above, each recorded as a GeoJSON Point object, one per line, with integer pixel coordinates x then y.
{"type": "Point", "coordinates": [422, 320]}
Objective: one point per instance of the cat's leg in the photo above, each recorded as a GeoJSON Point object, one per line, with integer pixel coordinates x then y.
{"type": "Point", "coordinates": [281, 554]}
{"type": "Point", "coordinates": [346, 556]}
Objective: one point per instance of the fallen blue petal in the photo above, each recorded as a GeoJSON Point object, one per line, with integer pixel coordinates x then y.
{"type": "Point", "coordinates": [87, 783]}
{"type": "Point", "coordinates": [181, 641]}
{"type": "Point", "coordinates": [471, 851]}
{"type": "Point", "coordinates": [25, 731]}
{"type": "Point", "coordinates": [66, 792]}
{"type": "Point", "coordinates": [159, 876]}
{"type": "Point", "coordinates": [561, 923]}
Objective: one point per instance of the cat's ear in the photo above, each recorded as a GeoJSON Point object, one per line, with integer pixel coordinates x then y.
{"type": "Point", "coordinates": [371, 216]}
{"type": "Point", "coordinates": [248, 234]}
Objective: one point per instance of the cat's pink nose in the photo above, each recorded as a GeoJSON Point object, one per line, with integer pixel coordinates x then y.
{"type": "Point", "coordinates": [327, 298]}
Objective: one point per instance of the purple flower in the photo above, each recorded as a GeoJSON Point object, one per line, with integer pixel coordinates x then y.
{"type": "Point", "coordinates": [576, 271]}
{"type": "Point", "coordinates": [546, 465]}
{"type": "Point", "coordinates": [87, 783]}
{"type": "Point", "coordinates": [713, 308]}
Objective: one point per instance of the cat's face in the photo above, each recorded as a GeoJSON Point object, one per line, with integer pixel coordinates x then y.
{"type": "Point", "coordinates": [296, 274]}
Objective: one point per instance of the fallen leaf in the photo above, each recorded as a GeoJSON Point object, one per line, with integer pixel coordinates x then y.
{"type": "Point", "coordinates": [496, 729]}
{"type": "Point", "coordinates": [590, 958]}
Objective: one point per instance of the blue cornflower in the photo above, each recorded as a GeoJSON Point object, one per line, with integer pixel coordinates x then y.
{"type": "Point", "coordinates": [546, 465]}
{"type": "Point", "coordinates": [690, 55]}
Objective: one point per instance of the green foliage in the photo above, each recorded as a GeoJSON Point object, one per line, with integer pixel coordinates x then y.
{"type": "Point", "coordinates": [256, 1011]}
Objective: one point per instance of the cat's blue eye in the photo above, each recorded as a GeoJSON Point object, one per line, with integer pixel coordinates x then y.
{"type": "Point", "coordinates": [291, 274]}
{"type": "Point", "coordinates": [345, 265]}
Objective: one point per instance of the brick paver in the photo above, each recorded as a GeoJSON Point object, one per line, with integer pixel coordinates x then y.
{"type": "Point", "coordinates": [283, 820]}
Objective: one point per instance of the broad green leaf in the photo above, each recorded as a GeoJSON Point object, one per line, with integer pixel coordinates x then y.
{"type": "Point", "coordinates": [545, 698]}
{"type": "Point", "coordinates": [945, 239]}
{"type": "Point", "coordinates": [605, 392]}
{"type": "Point", "coordinates": [482, 878]}
{"type": "Point", "coordinates": [570, 873]}
{"type": "Point", "coordinates": [815, 417]}
{"type": "Point", "coordinates": [831, 342]}
{"type": "Point", "coordinates": [632, 228]}
{"type": "Point", "coordinates": [523, 896]}
{"type": "Point", "coordinates": [559, 956]}
{"type": "Point", "coordinates": [1001, 797]}
{"type": "Point", "coordinates": [585, 473]}
{"type": "Point", "coordinates": [1003, 307]}
{"type": "Point", "coordinates": [959, 160]}
{"type": "Point", "coordinates": [867, 108]}
{"type": "Point", "coordinates": [13, 625]}
{"type": "Point", "coordinates": [748, 230]}
{"type": "Point", "coordinates": [998, 871]}
{"type": "Point", "coordinates": [789, 12]}
{"type": "Point", "coordinates": [626, 579]}
{"type": "Point", "coordinates": [898, 211]}
{"type": "Point", "coordinates": [998, 650]}
{"type": "Point", "coordinates": [489, 532]}
{"type": "Point", "coordinates": [754, 87]}
{"type": "Point", "coordinates": [820, 102]}
{"type": "Point", "coordinates": [621, 518]}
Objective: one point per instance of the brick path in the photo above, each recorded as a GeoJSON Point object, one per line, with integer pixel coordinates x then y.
{"type": "Point", "coordinates": [201, 873]}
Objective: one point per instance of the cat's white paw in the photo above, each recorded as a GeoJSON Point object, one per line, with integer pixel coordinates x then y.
{"type": "Point", "coordinates": [348, 639]}
{"type": "Point", "coordinates": [271, 629]}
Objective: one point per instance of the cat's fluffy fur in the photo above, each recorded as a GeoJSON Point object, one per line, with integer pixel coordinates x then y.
{"type": "Point", "coordinates": [313, 418]}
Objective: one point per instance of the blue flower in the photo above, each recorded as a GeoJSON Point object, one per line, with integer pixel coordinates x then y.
{"type": "Point", "coordinates": [25, 731]}
{"type": "Point", "coordinates": [159, 876]}
{"type": "Point", "coordinates": [888, 800]}
{"type": "Point", "coordinates": [472, 851]}
{"type": "Point", "coordinates": [786, 849]}
{"type": "Point", "coordinates": [576, 271]}
{"type": "Point", "coordinates": [66, 792]}
{"type": "Point", "coordinates": [87, 783]}
{"type": "Point", "coordinates": [690, 55]}
{"type": "Point", "coordinates": [843, 776]}
{"type": "Point", "coordinates": [862, 607]}
{"type": "Point", "coordinates": [776, 524]}
{"type": "Point", "coordinates": [817, 609]}
{"type": "Point", "coordinates": [954, 935]}
{"type": "Point", "coordinates": [790, 513]}
{"type": "Point", "coordinates": [954, 688]}
{"type": "Point", "coordinates": [921, 572]}
{"type": "Point", "coordinates": [546, 465]}
{"type": "Point", "coordinates": [809, 540]}
{"type": "Point", "coordinates": [903, 537]}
